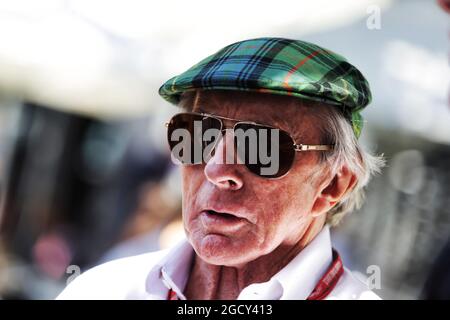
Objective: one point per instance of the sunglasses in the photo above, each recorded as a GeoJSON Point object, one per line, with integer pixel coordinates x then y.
{"type": "Point", "coordinates": [266, 151]}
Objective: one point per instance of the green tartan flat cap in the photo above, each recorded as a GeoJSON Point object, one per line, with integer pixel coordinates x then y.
{"type": "Point", "coordinates": [278, 66]}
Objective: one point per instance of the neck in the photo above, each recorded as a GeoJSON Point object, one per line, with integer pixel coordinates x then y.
{"type": "Point", "coordinates": [207, 281]}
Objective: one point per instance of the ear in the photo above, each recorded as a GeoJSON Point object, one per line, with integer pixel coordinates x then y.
{"type": "Point", "coordinates": [341, 184]}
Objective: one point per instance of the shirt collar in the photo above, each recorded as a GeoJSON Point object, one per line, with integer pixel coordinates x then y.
{"type": "Point", "coordinates": [171, 272]}
{"type": "Point", "coordinates": [295, 281]}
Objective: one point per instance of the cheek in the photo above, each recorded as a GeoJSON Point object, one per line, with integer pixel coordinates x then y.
{"type": "Point", "coordinates": [192, 178]}
{"type": "Point", "coordinates": [285, 205]}
{"type": "Point", "coordinates": [274, 206]}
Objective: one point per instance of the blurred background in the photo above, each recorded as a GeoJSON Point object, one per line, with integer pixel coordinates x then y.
{"type": "Point", "coordinates": [85, 173]}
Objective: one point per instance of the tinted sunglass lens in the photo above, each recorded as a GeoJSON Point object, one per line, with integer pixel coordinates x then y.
{"type": "Point", "coordinates": [186, 135]}
{"type": "Point", "coordinates": [266, 151]}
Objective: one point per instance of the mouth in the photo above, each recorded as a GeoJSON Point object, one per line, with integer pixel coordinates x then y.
{"type": "Point", "coordinates": [221, 221]}
{"type": "Point", "coordinates": [222, 215]}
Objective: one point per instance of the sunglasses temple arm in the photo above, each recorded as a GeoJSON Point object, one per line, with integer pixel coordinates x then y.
{"type": "Point", "coordinates": [312, 147]}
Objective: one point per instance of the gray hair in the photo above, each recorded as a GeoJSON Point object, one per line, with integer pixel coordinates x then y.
{"type": "Point", "coordinates": [337, 130]}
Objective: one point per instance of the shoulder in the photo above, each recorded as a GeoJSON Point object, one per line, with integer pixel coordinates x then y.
{"type": "Point", "coordinates": [118, 279]}
{"type": "Point", "coordinates": [349, 287]}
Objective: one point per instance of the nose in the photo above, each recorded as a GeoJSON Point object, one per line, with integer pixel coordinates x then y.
{"type": "Point", "coordinates": [222, 169]}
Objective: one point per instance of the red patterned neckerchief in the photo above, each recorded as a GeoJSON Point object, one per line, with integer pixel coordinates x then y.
{"type": "Point", "coordinates": [323, 288]}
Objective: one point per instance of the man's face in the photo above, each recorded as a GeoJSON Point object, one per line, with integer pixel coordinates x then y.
{"type": "Point", "coordinates": [252, 215]}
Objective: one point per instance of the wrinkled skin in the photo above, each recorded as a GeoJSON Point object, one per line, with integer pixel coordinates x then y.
{"type": "Point", "coordinates": [277, 217]}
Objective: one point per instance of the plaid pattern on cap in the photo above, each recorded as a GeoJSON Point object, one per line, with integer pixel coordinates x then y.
{"type": "Point", "coordinates": [278, 66]}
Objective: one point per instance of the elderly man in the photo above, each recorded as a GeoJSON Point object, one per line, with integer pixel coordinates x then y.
{"type": "Point", "coordinates": [268, 140]}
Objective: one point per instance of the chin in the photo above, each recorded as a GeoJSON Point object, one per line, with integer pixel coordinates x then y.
{"type": "Point", "coordinates": [219, 249]}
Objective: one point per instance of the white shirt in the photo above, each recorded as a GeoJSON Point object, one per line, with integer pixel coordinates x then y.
{"type": "Point", "coordinates": [149, 276]}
